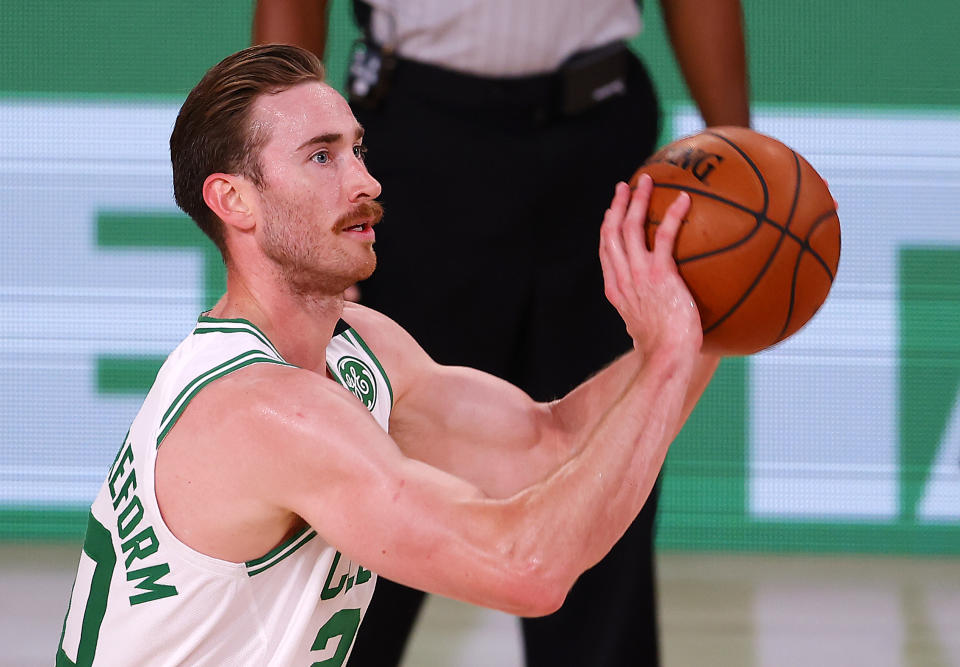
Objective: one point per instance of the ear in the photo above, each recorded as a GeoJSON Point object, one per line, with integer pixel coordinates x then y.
{"type": "Point", "coordinates": [228, 197]}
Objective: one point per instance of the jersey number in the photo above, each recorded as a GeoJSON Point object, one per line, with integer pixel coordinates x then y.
{"type": "Point", "coordinates": [344, 625]}
{"type": "Point", "coordinates": [99, 548]}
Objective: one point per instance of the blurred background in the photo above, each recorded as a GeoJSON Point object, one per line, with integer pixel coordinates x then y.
{"type": "Point", "coordinates": [811, 508]}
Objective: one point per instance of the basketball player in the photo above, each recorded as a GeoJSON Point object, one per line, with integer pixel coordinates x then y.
{"type": "Point", "coordinates": [292, 446]}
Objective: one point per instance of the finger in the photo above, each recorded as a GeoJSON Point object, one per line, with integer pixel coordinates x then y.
{"type": "Point", "coordinates": [609, 239]}
{"type": "Point", "coordinates": [611, 287]}
{"type": "Point", "coordinates": [618, 208]}
{"type": "Point", "coordinates": [640, 199]}
{"type": "Point", "coordinates": [628, 253]}
{"type": "Point", "coordinates": [621, 197]}
{"type": "Point", "coordinates": [616, 258]}
{"type": "Point", "coordinates": [608, 231]}
{"type": "Point", "coordinates": [634, 235]}
{"type": "Point", "coordinates": [669, 227]}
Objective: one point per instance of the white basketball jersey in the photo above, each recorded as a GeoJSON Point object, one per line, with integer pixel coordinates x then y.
{"type": "Point", "coordinates": [142, 597]}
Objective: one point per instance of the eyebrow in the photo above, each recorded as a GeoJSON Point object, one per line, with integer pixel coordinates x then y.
{"type": "Point", "coordinates": [329, 138]}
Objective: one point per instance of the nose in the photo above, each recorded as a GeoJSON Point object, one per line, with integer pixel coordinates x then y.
{"type": "Point", "coordinates": [362, 185]}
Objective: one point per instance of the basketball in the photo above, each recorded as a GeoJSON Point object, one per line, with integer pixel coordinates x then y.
{"type": "Point", "coordinates": [760, 245]}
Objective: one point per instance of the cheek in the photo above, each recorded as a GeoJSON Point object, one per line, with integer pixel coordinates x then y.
{"type": "Point", "coordinates": [316, 191]}
{"type": "Point", "coordinates": [313, 203]}
{"type": "Point", "coordinates": [319, 197]}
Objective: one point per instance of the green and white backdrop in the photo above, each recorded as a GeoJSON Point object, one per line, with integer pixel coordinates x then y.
{"type": "Point", "coordinates": [845, 438]}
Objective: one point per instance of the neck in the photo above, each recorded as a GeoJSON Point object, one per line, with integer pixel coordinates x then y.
{"type": "Point", "coordinates": [299, 325]}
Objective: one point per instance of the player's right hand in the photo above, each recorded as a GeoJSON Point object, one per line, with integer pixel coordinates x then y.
{"type": "Point", "coordinates": [644, 285]}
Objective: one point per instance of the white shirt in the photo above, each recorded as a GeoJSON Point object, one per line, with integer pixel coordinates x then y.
{"type": "Point", "coordinates": [500, 38]}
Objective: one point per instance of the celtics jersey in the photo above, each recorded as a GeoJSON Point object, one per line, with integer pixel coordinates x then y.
{"type": "Point", "coordinates": [142, 597]}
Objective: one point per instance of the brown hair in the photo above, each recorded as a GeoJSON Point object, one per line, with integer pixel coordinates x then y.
{"type": "Point", "coordinates": [213, 133]}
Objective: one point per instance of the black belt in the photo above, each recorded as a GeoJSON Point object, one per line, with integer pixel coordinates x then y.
{"type": "Point", "coordinates": [585, 80]}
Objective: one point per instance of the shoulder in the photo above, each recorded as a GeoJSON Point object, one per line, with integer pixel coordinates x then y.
{"type": "Point", "coordinates": [266, 412]}
{"type": "Point", "coordinates": [372, 324]}
{"type": "Point", "coordinates": [401, 356]}
{"type": "Point", "coordinates": [269, 390]}
{"type": "Point", "coordinates": [250, 447]}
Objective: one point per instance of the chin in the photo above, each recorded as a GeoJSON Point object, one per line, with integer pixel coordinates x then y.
{"type": "Point", "coordinates": [366, 267]}
{"type": "Point", "coordinates": [368, 270]}
{"type": "Point", "coordinates": [341, 283]}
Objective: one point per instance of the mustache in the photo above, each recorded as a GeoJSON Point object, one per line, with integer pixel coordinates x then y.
{"type": "Point", "coordinates": [368, 211]}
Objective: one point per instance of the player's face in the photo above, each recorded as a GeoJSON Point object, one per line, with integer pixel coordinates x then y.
{"type": "Point", "coordinates": [317, 207]}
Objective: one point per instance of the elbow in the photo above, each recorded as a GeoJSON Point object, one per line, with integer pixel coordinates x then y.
{"type": "Point", "coordinates": [542, 602]}
{"type": "Point", "coordinates": [545, 604]}
{"type": "Point", "coordinates": [535, 591]}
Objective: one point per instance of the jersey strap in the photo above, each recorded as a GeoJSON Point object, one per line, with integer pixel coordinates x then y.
{"type": "Point", "coordinates": [258, 350]}
{"type": "Point", "coordinates": [207, 324]}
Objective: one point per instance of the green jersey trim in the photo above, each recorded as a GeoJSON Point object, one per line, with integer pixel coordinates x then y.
{"type": "Point", "coordinates": [352, 336]}
{"type": "Point", "coordinates": [207, 324]}
{"type": "Point", "coordinates": [280, 547]}
{"type": "Point", "coordinates": [288, 548]}
{"type": "Point", "coordinates": [183, 399]}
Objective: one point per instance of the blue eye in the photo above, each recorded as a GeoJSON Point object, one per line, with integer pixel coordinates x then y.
{"type": "Point", "coordinates": [360, 152]}
{"type": "Point", "coordinates": [320, 157]}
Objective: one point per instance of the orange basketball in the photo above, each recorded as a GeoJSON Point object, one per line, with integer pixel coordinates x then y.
{"type": "Point", "coordinates": [760, 245]}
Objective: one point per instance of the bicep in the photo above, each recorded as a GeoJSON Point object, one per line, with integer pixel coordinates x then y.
{"type": "Point", "coordinates": [476, 426]}
{"type": "Point", "coordinates": [461, 420]}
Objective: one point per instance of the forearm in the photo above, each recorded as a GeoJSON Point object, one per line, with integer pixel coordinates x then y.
{"type": "Point", "coordinates": [708, 42]}
{"type": "Point", "coordinates": [299, 22]}
{"type": "Point", "coordinates": [578, 411]}
{"type": "Point", "coordinates": [527, 550]}
{"type": "Point", "coordinates": [583, 508]}
{"type": "Point", "coordinates": [602, 488]}
{"type": "Point", "coordinates": [434, 531]}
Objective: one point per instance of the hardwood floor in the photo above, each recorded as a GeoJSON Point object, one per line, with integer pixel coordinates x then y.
{"type": "Point", "coordinates": [720, 610]}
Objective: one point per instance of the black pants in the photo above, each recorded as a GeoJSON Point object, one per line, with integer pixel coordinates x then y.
{"type": "Point", "coordinates": [487, 254]}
